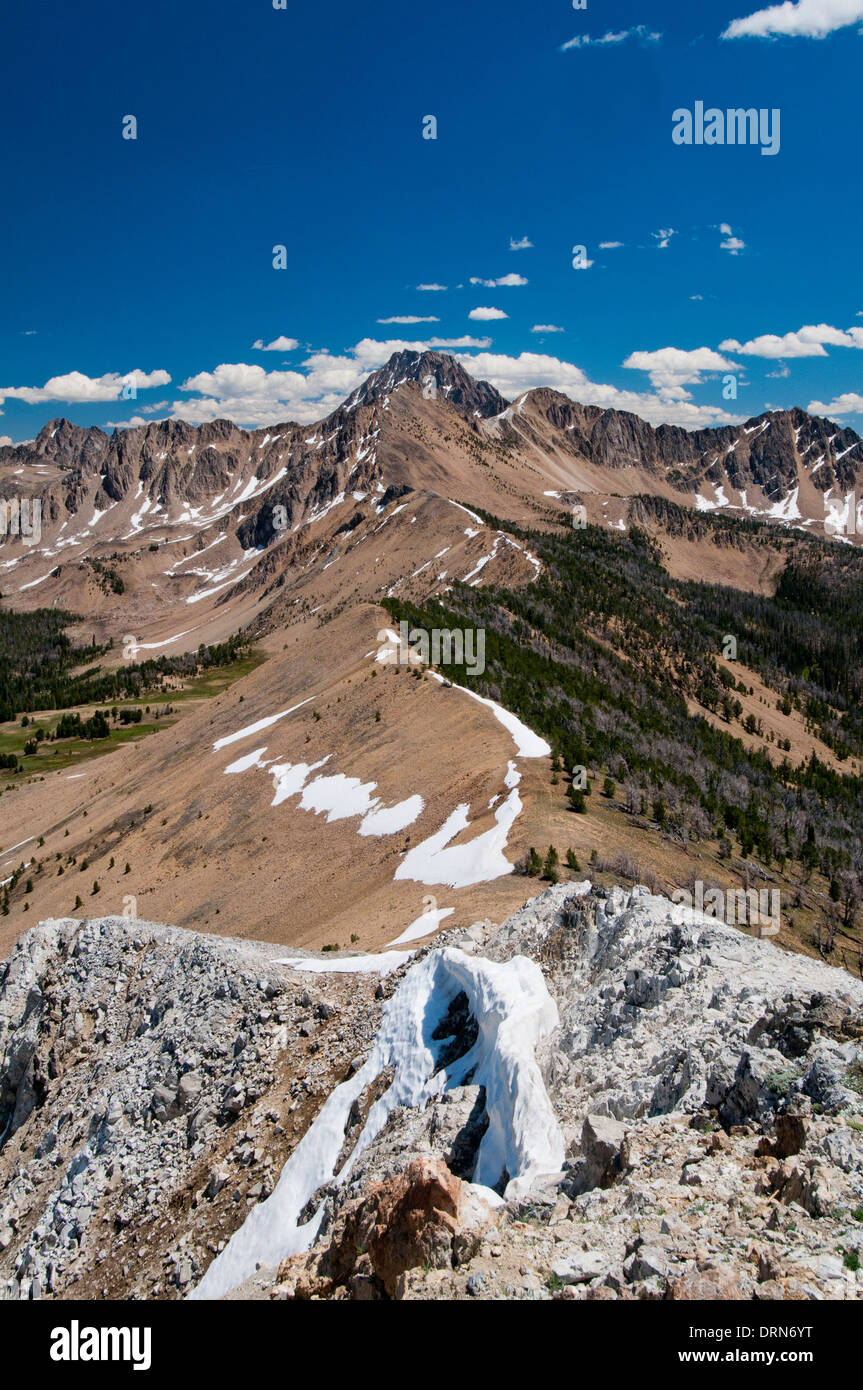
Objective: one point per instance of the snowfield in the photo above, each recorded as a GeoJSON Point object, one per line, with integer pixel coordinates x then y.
{"type": "Point", "coordinates": [384, 963]}
{"type": "Point", "coordinates": [480, 860]}
{"type": "Point", "coordinates": [336, 796]}
{"type": "Point", "coordinates": [256, 728]}
{"type": "Point", "coordinates": [434, 860]}
{"type": "Point", "coordinates": [424, 925]}
{"type": "Point", "coordinates": [528, 744]}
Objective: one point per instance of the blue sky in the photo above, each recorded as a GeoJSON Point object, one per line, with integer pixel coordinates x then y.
{"type": "Point", "coordinates": [303, 128]}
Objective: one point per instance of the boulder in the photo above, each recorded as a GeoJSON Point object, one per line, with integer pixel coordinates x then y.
{"type": "Point", "coordinates": [580, 1266]}
{"type": "Point", "coordinates": [423, 1217]}
{"type": "Point", "coordinates": [604, 1153]}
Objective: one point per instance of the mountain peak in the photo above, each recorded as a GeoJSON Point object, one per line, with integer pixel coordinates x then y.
{"type": "Point", "coordinates": [439, 374]}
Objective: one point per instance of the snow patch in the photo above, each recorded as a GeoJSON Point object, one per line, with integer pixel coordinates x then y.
{"type": "Point", "coordinates": [257, 727]}
{"type": "Point", "coordinates": [513, 1011]}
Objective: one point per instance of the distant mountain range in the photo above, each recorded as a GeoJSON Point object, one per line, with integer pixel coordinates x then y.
{"type": "Point", "coordinates": [420, 421]}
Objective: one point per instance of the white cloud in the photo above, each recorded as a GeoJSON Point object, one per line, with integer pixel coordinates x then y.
{"type": "Point", "coordinates": [277, 345]}
{"type": "Point", "coordinates": [252, 396]}
{"type": "Point", "coordinates": [732, 243]}
{"type": "Point", "coordinates": [810, 19]}
{"type": "Point", "coordinates": [514, 375]}
{"type": "Point", "coordinates": [5, 440]}
{"type": "Point", "coordinates": [487, 314]}
{"type": "Point", "coordinates": [698, 297]}
{"type": "Point", "coordinates": [546, 328]}
{"type": "Point", "coordinates": [410, 318]}
{"type": "Point", "coordinates": [782, 371]}
{"type": "Point", "coordinates": [609, 245]}
{"type": "Point", "coordinates": [639, 31]}
{"type": "Point", "coordinates": [523, 244]}
{"type": "Point", "coordinates": [663, 237]}
{"type": "Point", "coordinates": [808, 341]}
{"type": "Point", "coordinates": [431, 287]}
{"type": "Point", "coordinates": [505, 280]}
{"type": "Point", "coordinates": [670, 369]}
{"type": "Point", "coordinates": [848, 404]}
{"type": "Point", "coordinates": [75, 386]}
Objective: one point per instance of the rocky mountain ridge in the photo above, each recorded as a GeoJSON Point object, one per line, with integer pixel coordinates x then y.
{"type": "Point", "coordinates": [177, 472]}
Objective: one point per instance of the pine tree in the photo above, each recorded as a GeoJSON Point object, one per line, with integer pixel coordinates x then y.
{"type": "Point", "coordinates": [577, 801]}
{"type": "Point", "coordinates": [534, 863]}
{"type": "Point", "coordinates": [549, 868]}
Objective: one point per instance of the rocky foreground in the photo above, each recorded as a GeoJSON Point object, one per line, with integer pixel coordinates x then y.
{"type": "Point", "coordinates": [607, 1097]}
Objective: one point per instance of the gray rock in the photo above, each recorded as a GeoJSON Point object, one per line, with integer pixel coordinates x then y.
{"type": "Point", "coordinates": [604, 1151]}
{"type": "Point", "coordinates": [647, 1262]}
{"type": "Point", "coordinates": [189, 1090]}
{"type": "Point", "coordinates": [580, 1266]}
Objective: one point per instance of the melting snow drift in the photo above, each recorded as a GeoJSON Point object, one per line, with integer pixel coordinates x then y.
{"type": "Point", "coordinates": [513, 1010]}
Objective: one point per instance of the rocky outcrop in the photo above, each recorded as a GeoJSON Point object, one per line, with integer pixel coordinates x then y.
{"type": "Point", "coordinates": [708, 1086]}
{"type": "Point", "coordinates": [425, 1217]}
{"type": "Point", "coordinates": [684, 1104]}
{"type": "Point", "coordinates": [152, 1082]}
{"type": "Point", "coordinates": [766, 452]}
